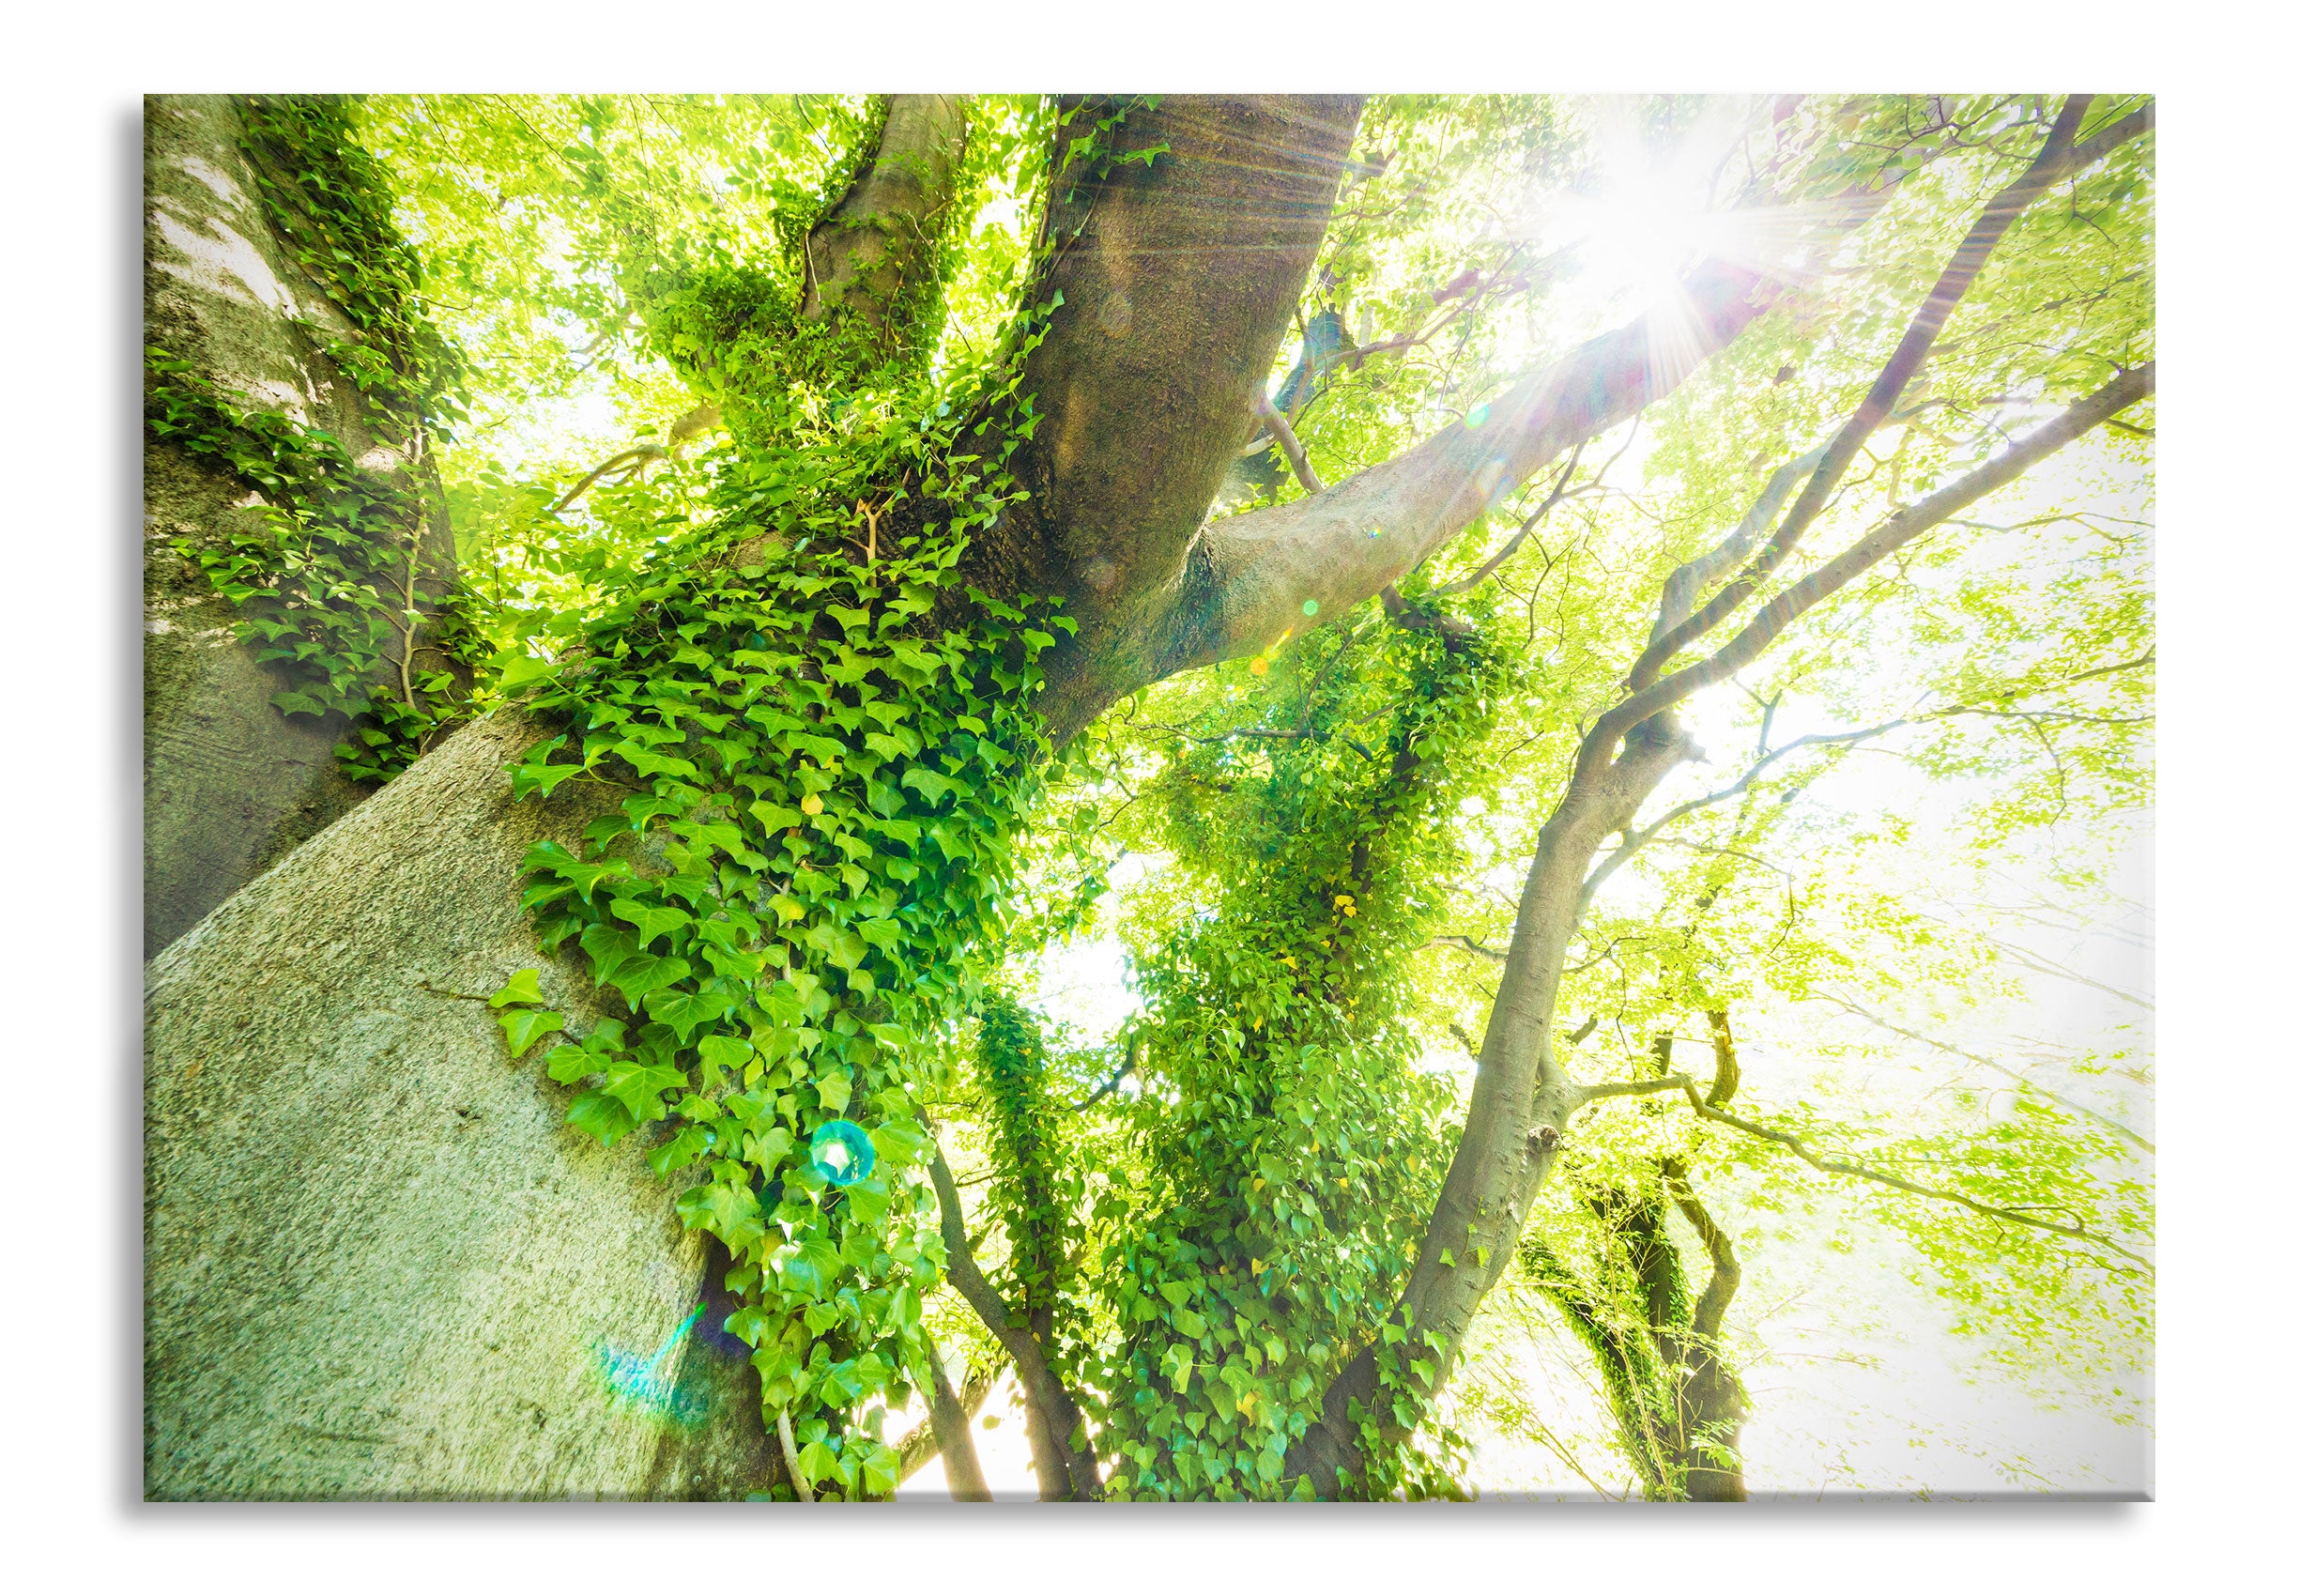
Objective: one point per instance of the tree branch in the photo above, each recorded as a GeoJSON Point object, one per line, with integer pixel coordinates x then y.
{"type": "Point", "coordinates": [2004, 1069]}
{"type": "Point", "coordinates": [924, 1444]}
{"type": "Point", "coordinates": [1178, 277]}
{"type": "Point", "coordinates": [1838, 1166]}
{"type": "Point", "coordinates": [864, 250]}
{"type": "Point", "coordinates": [1646, 1088]}
{"type": "Point", "coordinates": [2054, 162]}
{"type": "Point", "coordinates": [1724, 1268]}
{"type": "Point", "coordinates": [1281, 431]}
{"type": "Point", "coordinates": [1525, 528]}
{"type": "Point", "coordinates": [1133, 1057]}
{"type": "Point", "coordinates": [1050, 1405]}
{"type": "Point", "coordinates": [2125, 389]}
{"type": "Point", "coordinates": [949, 1422]}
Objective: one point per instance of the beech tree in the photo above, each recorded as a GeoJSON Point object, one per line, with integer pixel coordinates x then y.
{"type": "Point", "coordinates": [756, 763]}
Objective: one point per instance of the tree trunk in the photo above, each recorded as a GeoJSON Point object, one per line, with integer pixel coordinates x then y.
{"type": "Point", "coordinates": [379, 1264]}
{"type": "Point", "coordinates": [230, 784]}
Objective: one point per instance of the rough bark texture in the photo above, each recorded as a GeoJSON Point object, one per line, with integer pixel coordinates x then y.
{"type": "Point", "coordinates": [1174, 298]}
{"type": "Point", "coordinates": [378, 1263]}
{"type": "Point", "coordinates": [883, 229]}
{"type": "Point", "coordinates": [230, 784]}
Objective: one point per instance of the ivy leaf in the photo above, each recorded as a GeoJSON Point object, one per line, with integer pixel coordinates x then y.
{"type": "Point", "coordinates": [609, 948]}
{"type": "Point", "coordinates": [640, 1088]}
{"type": "Point", "coordinates": [728, 1212]}
{"type": "Point", "coordinates": [651, 920]}
{"type": "Point", "coordinates": [568, 1064]}
{"type": "Point", "coordinates": [685, 1012]}
{"type": "Point", "coordinates": [835, 1089]}
{"type": "Point", "coordinates": [645, 975]}
{"type": "Point", "coordinates": [691, 1143]}
{"type": "Point", "coordinates": [879, 1470]}
{"type": "Point", "coordinates": [523, 1026]}
{"type": "Point", "coordinates": [597, 1115]}
{"type": "Point", "coordinates": [728, 1053]}
{"type": "Point", "coordinates": [933, 786]}
{"type": "Point", "coordinates": [521, 988]}
{"type": "Point", "coordinates": [818, 1462]}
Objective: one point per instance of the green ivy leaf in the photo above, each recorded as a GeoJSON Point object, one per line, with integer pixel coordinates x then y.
{"type": "Point", "coordinates": [523, 1026]}
{"type": "Point", "coordinates": [522, 988]}
{"type": "Point", "coordinates": [595, 1114]}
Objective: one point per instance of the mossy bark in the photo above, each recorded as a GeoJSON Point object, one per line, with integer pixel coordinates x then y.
{"type": "Point", "coordinates": [230, 784]}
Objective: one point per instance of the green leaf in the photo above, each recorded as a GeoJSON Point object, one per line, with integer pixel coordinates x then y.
{"type": "Point", "coordinates": [521, 988]}
{"type": "Point", "coordinates": [646, 973]}
{"type": "Point", "coordinates": [597, 1115]}
{"type": "Point", "coordinates": [728, 1053]}
{"type": "Point", "coordinates": [686, 1012]}
{"type": "Point", "coordinates": [835, 1090]}
{"type": "Point", "coordinates": [523, 1026]}
{"type": "Point", "coordinates": [568, 1064]}
{"type": "Point", "coordinates": [640, 1087]}
{"type": "Point", "coordinates": [935, 787]}
{"type": "Point", "coordinates": [651, 920]}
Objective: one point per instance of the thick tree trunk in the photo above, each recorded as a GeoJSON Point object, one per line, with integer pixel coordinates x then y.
{"type": "Point", "coordinates": [378, 1263]}
{"type": "Point", "coordinates": [230, 784]}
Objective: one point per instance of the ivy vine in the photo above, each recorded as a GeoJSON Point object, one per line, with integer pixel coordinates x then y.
{"type": "Point", "coordinates": [1297, 1146]}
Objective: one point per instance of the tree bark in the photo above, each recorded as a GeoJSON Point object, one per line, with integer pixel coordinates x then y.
{"type": "Point", "coordinates": [230, 784]}
{"type": "Point", "coordinates": [1178, 278]}
{"type": "Point", "coordinates": [379, 1264]}
{"type": "Point", "coordinates": [877, 235]}
{"type": "Point", "coordinates": [954, 1435]}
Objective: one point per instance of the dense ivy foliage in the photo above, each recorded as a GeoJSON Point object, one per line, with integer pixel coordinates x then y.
{"type": "Point", "coordinates": [1291, 1146]}
{"type": "Point", "coordinates": [833, 745]}
{"type": "Point", "coordinates": [789, 902]}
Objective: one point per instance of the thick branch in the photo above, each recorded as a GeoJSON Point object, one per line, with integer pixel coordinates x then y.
{"type": "Point", "coordinates": [1591, 1094]}
{"type": "Point", "coordinates": [1177, 278]}
{"type": "Point", "coordinates": [923, 1445]}
{"type": "Point", "coordinates": [630, 460]}
{"type": "Point", "coordinates": [949, 1422]}
{"type": "Point", "coordinates": [880, 235]}
{"type": "Point", "coordinates": [1345, 545]}
{"type": "Point", "coordinates": [1687, 580]}
{"type": "Point", "coordinates": [1724, 1268]}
